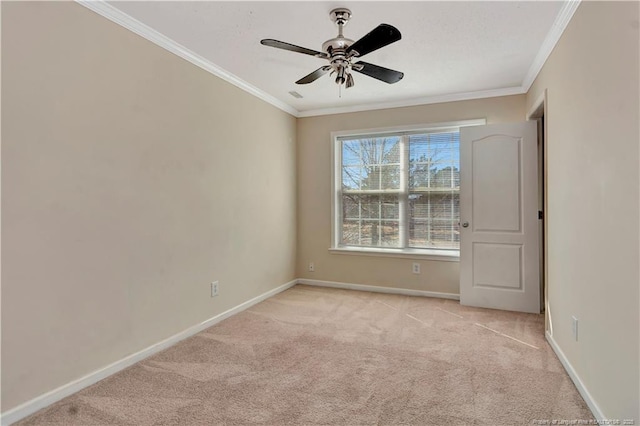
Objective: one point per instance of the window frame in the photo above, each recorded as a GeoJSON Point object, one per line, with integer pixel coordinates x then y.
{"type": "Point", "coordinates": [336, 193]}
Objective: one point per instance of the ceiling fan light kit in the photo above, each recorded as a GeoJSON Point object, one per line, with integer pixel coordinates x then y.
{"type": "Point", "coordinates": [341, 52]}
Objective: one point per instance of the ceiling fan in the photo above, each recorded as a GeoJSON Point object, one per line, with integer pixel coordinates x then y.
{"type": "Point", "coordinates": [341, 51]}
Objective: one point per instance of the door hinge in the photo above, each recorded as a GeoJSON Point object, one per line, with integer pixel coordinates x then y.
{"type": "Point", "coordinates": [540, 215]}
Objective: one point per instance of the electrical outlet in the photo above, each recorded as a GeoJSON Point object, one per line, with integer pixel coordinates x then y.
{"type": "Point", "coordinates": [214, 288]}
{"type": "Point", "coordinates": [416, 268]}
{"type": "Point", "coordinates": [574, 328]}
{"type": "Point", "coordinates": [312, 267]}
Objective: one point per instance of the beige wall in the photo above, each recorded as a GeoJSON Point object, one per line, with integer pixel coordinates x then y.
{"type": "Point", "coordinates": [592, 163]}
{"type": "Point", "coordinates": [130, 181]}
{"type": "Point", "coordinates": [314, 194]}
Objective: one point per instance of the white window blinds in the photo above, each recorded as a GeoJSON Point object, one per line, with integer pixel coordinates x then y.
{"type": "Point", "coordinates": [399, 190]}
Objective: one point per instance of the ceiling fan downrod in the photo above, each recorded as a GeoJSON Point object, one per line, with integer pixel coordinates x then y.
{"type": "Point", "coordinates": [337, 48]}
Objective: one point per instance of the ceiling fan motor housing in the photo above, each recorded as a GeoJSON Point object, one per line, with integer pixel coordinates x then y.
{"type": "Point", "coordinates": [337, 46]}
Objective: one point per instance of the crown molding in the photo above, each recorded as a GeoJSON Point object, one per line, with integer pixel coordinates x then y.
{"type": "Point", "coordinates": [507, 91]}
{"type": "Point", "coordinates": [550, 41]}
{"type": "Point", "coordinates": [113, 14]}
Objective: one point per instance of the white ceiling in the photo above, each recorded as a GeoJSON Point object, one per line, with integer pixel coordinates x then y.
{"type": "Point", "coordinates": [449, 50]}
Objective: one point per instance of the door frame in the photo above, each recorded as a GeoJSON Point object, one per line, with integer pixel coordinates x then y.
{"type": "Point", "coordinates": [536, 112]}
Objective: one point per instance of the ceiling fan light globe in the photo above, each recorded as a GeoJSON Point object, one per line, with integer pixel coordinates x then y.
{"type": "Point", "coordinates": [340, 78]}
{"type": "Point", "coordinates": [349, 83]}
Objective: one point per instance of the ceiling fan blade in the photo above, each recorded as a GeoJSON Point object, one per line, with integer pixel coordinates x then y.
{"type": "Point", "coordinates": [383, 74]}
{"type": "Point", "coordinates": [292, 47]}
{"type": "Point", "coordinates": [380, 36]}
{"type": "Point", "coordinates": [314, 75]}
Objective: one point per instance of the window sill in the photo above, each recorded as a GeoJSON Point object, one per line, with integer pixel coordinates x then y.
{"type": "Point", "coordinates": [422, 254]}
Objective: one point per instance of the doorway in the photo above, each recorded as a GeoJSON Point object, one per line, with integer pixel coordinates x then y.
{"type": "Point", "coordinates": [537, 113]}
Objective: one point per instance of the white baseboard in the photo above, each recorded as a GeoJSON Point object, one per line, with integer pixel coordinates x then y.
{"type": "Point", "coordinates": [42, 401]}
{"type": "Point", "coordinates": [595, 410]}
{"type": "Point", "coordinates": [15, 414]}
{"type": "Point", "coordinates": [377, 289]}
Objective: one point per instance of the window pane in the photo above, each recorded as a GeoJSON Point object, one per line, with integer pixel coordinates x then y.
{"type": "Point", "coordinates": [351, 177]}
{"type": "Point", "coordinates": [370, 220]}
{"type": "Point", "coordinates": [371, 164]}
{"type": "Point", "coordinates": [434, 182]}
{"type": "Point", "coordinates": [351, 153]}
{"type": "Point", "coordinates": [433, 220]}
{"type": "Point", "coordinates": [434, 161]}
{"type": "Point", "coordinates": [445, 177]}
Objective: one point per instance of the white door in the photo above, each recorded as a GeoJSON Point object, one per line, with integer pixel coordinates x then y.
{"type": "Point", "coordinates": [499, 258]}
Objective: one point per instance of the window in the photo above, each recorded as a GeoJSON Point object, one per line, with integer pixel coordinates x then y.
{"type": "Point", "coordinates": [398, 191]}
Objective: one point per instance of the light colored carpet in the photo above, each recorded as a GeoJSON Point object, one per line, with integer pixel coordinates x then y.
{"type": "Point", "coordinates": [313, 356]}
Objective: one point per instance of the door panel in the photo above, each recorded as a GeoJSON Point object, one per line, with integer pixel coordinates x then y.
{"type": "Point", "coordinates": [499, 258]}
{"type": "Point", "coordinates": [496, 190]}
{"type": "Point", "coordinates": [497, 265]}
